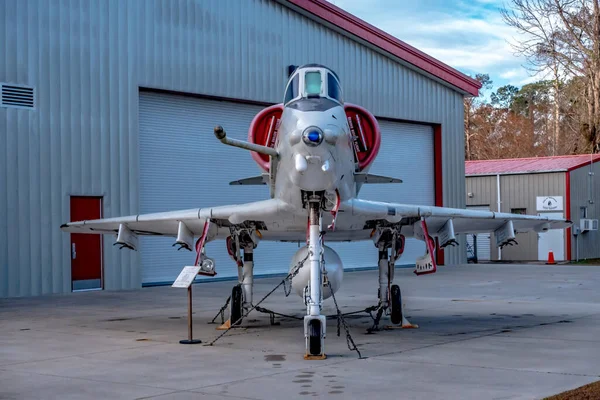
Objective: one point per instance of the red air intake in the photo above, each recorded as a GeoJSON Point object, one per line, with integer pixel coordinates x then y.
{"type": "Point", "coordinates": [263, 131]}
{"type": "Point", "coordinates": [365, 133]}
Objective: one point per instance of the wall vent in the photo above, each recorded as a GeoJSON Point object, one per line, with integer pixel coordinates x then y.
{"type": "Point", "coordinates": [17, 96]}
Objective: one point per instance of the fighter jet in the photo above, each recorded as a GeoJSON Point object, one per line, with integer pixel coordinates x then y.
{"type": "Point", "coordinates": [315, 150]}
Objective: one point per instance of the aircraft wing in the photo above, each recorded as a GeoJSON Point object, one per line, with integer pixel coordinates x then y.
{"type": "Point", "coordinates": [183, 223]}
{"type": "Point", "coordinates": [445, 222]}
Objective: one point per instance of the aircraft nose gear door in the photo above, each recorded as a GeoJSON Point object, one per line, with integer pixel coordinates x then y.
{"type": "Point", "coordinates": [314, 322]}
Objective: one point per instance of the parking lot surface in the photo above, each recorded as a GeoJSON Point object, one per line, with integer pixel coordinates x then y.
{"type": "Point", "coordinates": [485, 332]}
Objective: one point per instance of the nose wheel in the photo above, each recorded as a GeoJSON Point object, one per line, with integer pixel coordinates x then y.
{"type": "Point", "coordinates": [314, 338]}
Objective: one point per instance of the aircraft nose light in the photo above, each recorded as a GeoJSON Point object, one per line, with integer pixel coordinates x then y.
{"type": "Point", "coordinates": [312, 136]}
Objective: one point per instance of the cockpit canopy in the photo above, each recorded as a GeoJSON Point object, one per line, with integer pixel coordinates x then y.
{"type": "Point", "coordinates": [312, 82]}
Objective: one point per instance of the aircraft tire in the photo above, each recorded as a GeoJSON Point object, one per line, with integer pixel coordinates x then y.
{"type": "Point", "coordinates": [396, 298]}
{"type": "Point", "coordinates": [314, 339]}
{"type": "Point", "coordinates": [236, 305]}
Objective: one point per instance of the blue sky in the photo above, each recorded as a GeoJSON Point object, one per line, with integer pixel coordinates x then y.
{"type": "Point", "coordinates": [467, 35]}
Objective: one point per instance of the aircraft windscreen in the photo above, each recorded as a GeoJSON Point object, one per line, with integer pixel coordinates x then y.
{"type": "Point", "coordinates": [292, 90]}
{"type": "Point", "coordinates": [312, 83]}
{"type": "Point", "coordinates": [333, 88]}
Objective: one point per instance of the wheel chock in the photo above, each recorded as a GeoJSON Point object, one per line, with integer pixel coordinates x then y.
{"type": "Point", "coordinates": [312, 358]}
{"type": "Point", "coordinates": [407, 325]}
{"type": "Point", "coordinates": [224, 326]}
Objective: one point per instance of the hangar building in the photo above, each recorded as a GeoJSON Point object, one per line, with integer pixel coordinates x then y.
{"type": "Point", "coordinates": [108, 109]}
{"type": "Point", "coordinates": [562, 186]}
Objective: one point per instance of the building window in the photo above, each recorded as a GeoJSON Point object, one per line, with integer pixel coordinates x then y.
{"type": "Point", "coordinates": [521, 211]}
{"type": "Point", "coordinates": [582, 212]}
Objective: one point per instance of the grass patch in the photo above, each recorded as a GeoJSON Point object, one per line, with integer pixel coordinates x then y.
{"type": "Point", "coordinates": [587, 392]}
{"type": "Point", "coordinates": [589, 261]}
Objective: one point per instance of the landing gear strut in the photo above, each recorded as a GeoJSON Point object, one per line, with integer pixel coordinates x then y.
{"type": "Point", "coordinates": [242, 241]}
{"type": "Point", "coordinates": [314, 322]}
{"type": "Point", "coordinates": [391, 246]}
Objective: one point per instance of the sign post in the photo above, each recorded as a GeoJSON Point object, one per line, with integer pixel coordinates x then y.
{"type": "Point", "coordinates": [185, 280]}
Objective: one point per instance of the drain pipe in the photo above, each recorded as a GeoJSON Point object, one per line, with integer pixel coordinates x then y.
{"type": "Point", "coordinates": [577, 247]}
{"type": "Point", "coordinates": [498, 208]}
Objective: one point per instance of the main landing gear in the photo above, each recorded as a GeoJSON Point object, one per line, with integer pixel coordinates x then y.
{"type": "Point", "coordinates": [240, 246]}
{"type": "Point", "coordinates": [391, 246]}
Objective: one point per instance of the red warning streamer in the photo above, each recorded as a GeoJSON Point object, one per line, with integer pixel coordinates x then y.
{"type": "Point", "coordinates": [430, 248]}
{"type": "Point", "coordinates": [201, 241]}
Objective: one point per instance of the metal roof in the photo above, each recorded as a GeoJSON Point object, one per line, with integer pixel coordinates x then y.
{"type": "Point", "coordinates": [529, 165]}
{"type": "Point", "coordinates": [376, 37]}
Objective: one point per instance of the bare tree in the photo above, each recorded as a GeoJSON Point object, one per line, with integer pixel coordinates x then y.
{"type": "Point", "coordinates": [471, 106]}
{"type": "Point", "coordinates": [562, 37]}
{"type": "Point", "coordinates": [535, 21]}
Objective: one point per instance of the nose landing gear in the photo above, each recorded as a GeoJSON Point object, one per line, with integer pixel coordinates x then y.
{"type": "Point", "coordinates": [314, 322]}
{"type": "Point", "coordinates": [314, 332]}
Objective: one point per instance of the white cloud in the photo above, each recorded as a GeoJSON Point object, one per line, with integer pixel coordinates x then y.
{"type": "Point", "coordinates": [511, 73]}
{"type": "Point", "coordinates": [469, 36]}
{"type": "Point", "coordinates": [527, 79]}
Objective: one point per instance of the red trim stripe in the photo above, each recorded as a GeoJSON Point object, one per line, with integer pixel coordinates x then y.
{"type": "Point", "coordinates": [439, 186]}
{"type": "Point", "coordinates": [568, 211]}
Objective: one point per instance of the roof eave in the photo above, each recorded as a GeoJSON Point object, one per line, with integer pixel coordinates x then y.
{"type": "Point", "coordinates": [550, 171]}
{"type": "Point", "coordinates": [583, 164]}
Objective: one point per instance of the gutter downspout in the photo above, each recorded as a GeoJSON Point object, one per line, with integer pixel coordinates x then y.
{"type": "Point", "coordinates": [498, 208]}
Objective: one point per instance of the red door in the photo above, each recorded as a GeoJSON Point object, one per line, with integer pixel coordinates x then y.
{"type": "Point", "coordinates": [86, 249]}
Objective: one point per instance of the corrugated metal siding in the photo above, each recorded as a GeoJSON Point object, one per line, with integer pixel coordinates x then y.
{"type": "Point", "coordinates": [520, 191]}
{"type": "Point", "coordinates": [86, 60]}
{"type": "Point", "coordinates": [516, 191]}
{"type": "Point", "coordinates": [483, 189]}
{"type": "Point", "coordinates": [80, 140]}
{"type": "Point", "coordinates": [581, 195]}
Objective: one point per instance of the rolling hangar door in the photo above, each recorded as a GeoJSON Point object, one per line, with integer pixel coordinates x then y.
{"type": "Point", "coordinates": [182, 166]}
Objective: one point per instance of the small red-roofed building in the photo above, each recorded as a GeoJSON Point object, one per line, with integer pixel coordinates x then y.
{"type": "Point", "coordinates": [564, 186]}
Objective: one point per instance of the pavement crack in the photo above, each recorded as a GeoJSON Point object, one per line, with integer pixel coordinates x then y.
{"type": "Point", "coordinates": [433, 345]}
{"type": "Point", "coordinates": [227, 396]}
{"type": "Point", "coordinates": [159, 395]}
